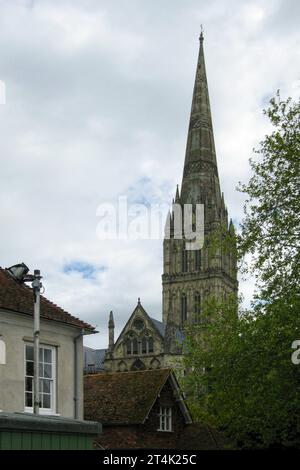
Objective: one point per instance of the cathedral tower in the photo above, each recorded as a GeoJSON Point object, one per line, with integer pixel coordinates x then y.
{"type": "Point", "coordinates": [190, 276]}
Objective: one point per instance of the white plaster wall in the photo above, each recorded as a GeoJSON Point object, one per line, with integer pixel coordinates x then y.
{"type": "Point", "coordinates": [15, 330]}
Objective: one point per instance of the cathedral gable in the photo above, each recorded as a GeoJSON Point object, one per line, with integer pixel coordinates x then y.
{"type": "Point", "coordinates": [139, 342]}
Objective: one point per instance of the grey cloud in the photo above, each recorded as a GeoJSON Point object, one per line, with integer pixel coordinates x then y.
{"type": "Point", "coordinates": [98, 98]}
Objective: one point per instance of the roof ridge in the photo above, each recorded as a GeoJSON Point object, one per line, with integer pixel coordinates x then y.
{"type": "Point", "coordinates": [14, 297]}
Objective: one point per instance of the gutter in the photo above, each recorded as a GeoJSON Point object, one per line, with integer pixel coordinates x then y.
{"type": "Point", "coordinates": [77, 371]}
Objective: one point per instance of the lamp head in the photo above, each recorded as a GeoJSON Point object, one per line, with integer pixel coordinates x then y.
{"type": "Point", "coordinates": [18, 271]}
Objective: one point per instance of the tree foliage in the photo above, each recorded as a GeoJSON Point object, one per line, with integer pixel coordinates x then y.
{"type": "Point", "coordinates": [271, 227]}
{"type": "Point", "coordinates": [241, 376]}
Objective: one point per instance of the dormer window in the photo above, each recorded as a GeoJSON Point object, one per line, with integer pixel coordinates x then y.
{"type": "Point", "coordinates": [165, 419]}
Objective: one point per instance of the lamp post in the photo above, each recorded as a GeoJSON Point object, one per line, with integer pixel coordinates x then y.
{"type": "Point", "coordinates": [20, 273]}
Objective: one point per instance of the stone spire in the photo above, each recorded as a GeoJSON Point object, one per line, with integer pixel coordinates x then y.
{"type": "Point", "coordinates": [192, 274]}
{"type": "Point", "coordinates": [200, 167]}
{"type": "Point", "coordinates": [111, 331]}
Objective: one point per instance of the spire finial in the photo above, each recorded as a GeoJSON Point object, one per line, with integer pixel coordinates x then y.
{"type": "Point", "coordinates": [111, 322]}
{"type": "Point", "coordinates": [139, 301]}
{"type": "Point", "coordinates": [201, 33]}
{"type": "Point", "coordinates": [177, 197]}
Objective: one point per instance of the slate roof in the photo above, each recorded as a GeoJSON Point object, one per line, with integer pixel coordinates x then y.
{"type": "Point", "coordinates": [18, 298]}
{"type": "Point", "coordinates": [122, 398]}
{"type": "Point", "coordinates": [94, 357]}
{"type": "Point", "coordinates": [161, 327]}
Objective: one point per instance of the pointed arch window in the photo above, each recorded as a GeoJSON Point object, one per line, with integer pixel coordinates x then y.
{"type": "Point", "coordinates": [135, 346]}
{"type": "Point", "coordinates": [197, 260]}
{"type": "Point", "coordinates": [183, 308]}
{"type": "Point", "coordinates": [147, 345]}
{"type": "Point", "coordinates": [141, 346]}
{"type": "Point", "coordinates": [150, 345]}
{"type": "Point", "coordinates": [128, 347]}
{"type": "Point", "coordinates": [144, 346]}
{"type": "Point", "coordinates": [138, 365]}
{"type": "Point", "coordinates": [184, 261]}
{"type": "Point", "coordinates": [197, 306]}
{"type": "Point", "coordinates": [132, 346]}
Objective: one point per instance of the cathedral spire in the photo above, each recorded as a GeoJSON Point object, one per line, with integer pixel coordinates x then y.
{"type": "Point", "coordinates": [200, 155]}
{"type": "Point", "coordinates": [190, 275]}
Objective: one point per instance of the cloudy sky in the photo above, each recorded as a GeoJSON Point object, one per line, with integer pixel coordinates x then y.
{"type": "Point", "coordinates": [98, 95]}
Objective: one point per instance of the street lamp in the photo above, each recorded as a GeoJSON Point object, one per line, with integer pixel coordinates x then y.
{"type": "Point", "coordinates": [20, 273]}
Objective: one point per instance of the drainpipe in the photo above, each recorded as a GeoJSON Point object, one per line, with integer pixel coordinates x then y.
{"type": "Point", "coordinates": [36, 285]}
{"type": "Point", "coordinates": [78, 374]}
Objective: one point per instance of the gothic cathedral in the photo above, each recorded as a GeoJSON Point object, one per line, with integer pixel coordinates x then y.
{"type": "Point", "coordinates": [189, 276]}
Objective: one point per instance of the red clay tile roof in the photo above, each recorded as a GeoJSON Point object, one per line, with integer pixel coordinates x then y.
{"type": "Point", "coordinates": [19, 298]}
{"type": "Point", "coordinates": [122, 398]}
{"type": "Point", "coordinates": [200, 436]}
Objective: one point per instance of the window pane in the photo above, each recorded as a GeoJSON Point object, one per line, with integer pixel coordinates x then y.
{"type": "Point", "coordinates": [46, 401]}
{"type": "Point", "coordinates": [150, 345]}
{"type": "Point", "coordinates": [48, 356]}
{"type": "Point", "coordinates": [135, 346]}
{"type": "Point", "coordinates": [29, 353]}
{"type": "Point", "coordinates": [47, 370]}
{"type": "Point", "coordinates": [29, 368]}
{"type": "Point", "coordinates": [28, 399]}
{"type": "Point", "coordinates": [46, 386]}
{"type": "Point", "coordinates": [168, 428]}
{"type": "Point", "coordinates": [41, 355]}
{"type": "Point", "coordinates": [183, 308]}
{"type": "Point", "coordinates": [41, 370]}
{"type": "Point", "coordinates": [28, 384]}
{"type": "Point", "coordinates": [197, 260]}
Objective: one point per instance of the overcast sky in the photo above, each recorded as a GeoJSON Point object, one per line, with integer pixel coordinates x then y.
{"type": "Point", "coordinates": [98, 95]}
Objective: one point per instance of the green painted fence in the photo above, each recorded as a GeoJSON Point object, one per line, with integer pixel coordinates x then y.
{"type": "Point", "coordinates": [28, 432]}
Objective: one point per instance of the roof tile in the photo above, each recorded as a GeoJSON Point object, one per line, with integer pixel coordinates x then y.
{"type": "Point", "coordinates": [122, 397]}
{"type": "Point", "coordinates": [19, 298]}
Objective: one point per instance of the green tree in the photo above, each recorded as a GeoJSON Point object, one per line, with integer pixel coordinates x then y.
{"type": "Point", "coordinates": [242, 378]}
{"type": "Point", "coordinates": [271, 227]}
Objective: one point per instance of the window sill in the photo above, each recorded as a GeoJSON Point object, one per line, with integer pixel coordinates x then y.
{"type": "Point", "coordinates": [42, 412]}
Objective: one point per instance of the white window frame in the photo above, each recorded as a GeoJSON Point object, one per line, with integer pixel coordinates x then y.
{"type": "Point", "coordinates": [53, 385]}
{"type": "Point", "coordinates": [165, 419]}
